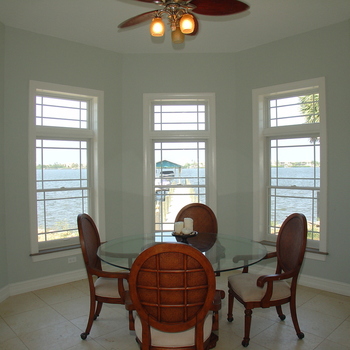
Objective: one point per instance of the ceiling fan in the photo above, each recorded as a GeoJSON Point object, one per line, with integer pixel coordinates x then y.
{"type": "Point", "coordinates": [181, 15]}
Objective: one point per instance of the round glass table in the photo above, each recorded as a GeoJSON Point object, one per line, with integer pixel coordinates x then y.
{"type": "Point", "coordinates": [225, 252]}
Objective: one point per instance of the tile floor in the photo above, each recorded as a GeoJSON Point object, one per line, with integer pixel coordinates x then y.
{"type": "Point", "coordinates": [53, 318]}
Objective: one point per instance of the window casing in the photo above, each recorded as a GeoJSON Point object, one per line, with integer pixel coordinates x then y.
{"type": "Point", "coordinates": [290, 159]}
{"type": "Point", "coordinates": [66, 163]}
{"type": "Point", "coordinates": [179, 157]}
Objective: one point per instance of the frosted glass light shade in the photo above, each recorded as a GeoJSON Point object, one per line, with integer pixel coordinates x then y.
{"type": "Point", "coordinates": [177, 36]}
{"type": "Point", "coordinates": [157, 27]}
{"type": "Point", "coordinates": [187, 24]}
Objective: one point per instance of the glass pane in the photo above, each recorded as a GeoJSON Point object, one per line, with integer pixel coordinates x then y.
{"type": "Point", "coordinates": [294, 110]}
{"type": "Point", "coordinates": [180, 179]}
{"type": "Point", "coordinates": [62, 185]}
{"type": "Point", "coordinates": [189, 116]}
{"type": "Point", "coordinates": [295, 182]}
{"type": "Point", "coordinates": [61, 112]}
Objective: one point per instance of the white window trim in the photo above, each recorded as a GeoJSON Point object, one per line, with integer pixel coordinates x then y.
{"type": "Point", "coordinates": [259, 156]}
{"type": "Point", "coordinates": [149, 135]}
{"type": "Point", "coordinates": [97, 163]}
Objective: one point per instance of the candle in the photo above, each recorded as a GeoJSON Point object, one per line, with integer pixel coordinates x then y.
{"type": "Point", "coordinates": [188, 224]}
{"type": "Point", "coordinates": [179, 226]}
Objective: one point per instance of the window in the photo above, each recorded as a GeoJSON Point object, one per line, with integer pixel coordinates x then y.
{"type": "Point", "coordinates": [290, 159]}
{"type": "Point", "coordinates": [65, 153]}
{"type": "Point", "coordinates": [179, 140]}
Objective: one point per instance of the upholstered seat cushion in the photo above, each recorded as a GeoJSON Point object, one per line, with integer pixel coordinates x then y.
{"type": "Point", "coordinates": [107, 287]}
{"type": "Point", "coordinates": [174, 340]}
{"type": "Point", "coordinates": [245, 286]}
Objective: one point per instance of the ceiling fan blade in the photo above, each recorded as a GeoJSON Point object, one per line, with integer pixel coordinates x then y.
{"type": "Point", "coordinates": [218, 7]}
{"type": "Point", "coordinates": [154, 1]}
{"type": "Point", "coordinates": [138, 19]}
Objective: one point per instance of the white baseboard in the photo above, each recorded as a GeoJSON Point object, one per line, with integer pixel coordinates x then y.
{"type": "Point", "coordinates": [310, 281]}
{"type": "Point", "coordinates": [40, 283]}
{"type": "Point", "coordinates": [50, 281]}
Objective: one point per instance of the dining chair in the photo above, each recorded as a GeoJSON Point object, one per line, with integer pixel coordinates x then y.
{"type": "Point", "coordinates": [204, 219]}
{"type": "Point", "coordinates": [172, 289]}
{"type": "Point", "coordinates": [266, 291]}
{"type": "Point", "coordinates": [105, 287]}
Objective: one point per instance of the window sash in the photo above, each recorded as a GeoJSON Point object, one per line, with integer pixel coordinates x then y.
{"type": "Point", "coordinates": [175, 136]}
{"type": "Point", "coordinates": [86, 188]}
{"type": "Point", "coordinates": [264, 189]}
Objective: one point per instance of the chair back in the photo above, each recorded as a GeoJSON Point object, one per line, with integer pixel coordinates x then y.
{"type": "Point", "coordinates": [89, 241]}
{"type": "Point", "coordinates": [172, 287]}
{"type": "Point", "coordinates": [204, 219]}
{"type": "Point", "coordinates": [291, 243]}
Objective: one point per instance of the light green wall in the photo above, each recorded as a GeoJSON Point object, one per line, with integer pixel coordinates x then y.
{"type": "Point", "coordinates": [3, 259]}
{"type": "Point", "coordinates": [320, 53]}
{"type": "Point", "coordinates": [42, 58]}
{"type": "Point", "coordinates": [124, 79]}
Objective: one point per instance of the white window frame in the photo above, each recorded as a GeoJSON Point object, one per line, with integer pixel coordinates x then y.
{"type": "Point", "coordinates": [149, 136]}
{"type": "Point", "coordinates": [261, 135]}
{"type": "Point", "coordinates": [96, 159]}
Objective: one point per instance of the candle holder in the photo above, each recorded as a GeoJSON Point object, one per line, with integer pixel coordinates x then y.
{"type": "Point", "coordinates": [184, 236]}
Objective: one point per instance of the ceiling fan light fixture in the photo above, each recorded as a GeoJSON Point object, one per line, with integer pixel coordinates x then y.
{"type": "Point", "coordinates": [157, 27]}
{"type": "Point", "coordinates": [177, 36]}
{"type": "Point", "coordinates": [187, 24]}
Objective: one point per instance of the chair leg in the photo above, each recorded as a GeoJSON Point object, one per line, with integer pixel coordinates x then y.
{"type": "Point", "coordinates": [131, 321]}
{"type": "Point", "coordinates": [293, 313]}
{"type": "Point", "coordinates": [98, 309]}
{"type": "Point", "coordinates": [230, 305]}
{"type": "Point", "coordinates": [247, 323]}
{"type": "Point", "coordinates": [90, 320]}
{"type": "Point", "coordinates": [280, 312]}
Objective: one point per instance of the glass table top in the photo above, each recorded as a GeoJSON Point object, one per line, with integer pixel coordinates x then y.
{"type": "Point", "coordinates": [225, 252]}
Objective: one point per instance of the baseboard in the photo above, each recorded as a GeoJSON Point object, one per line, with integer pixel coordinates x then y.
{"type": "Point", "coordinates": [40, 283]}
{"type": "Point", "coordinates": [310, 281]}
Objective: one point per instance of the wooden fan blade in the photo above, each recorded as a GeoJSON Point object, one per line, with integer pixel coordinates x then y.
{"type": "Point", "coordinates": [138, 19]}
{"type": "Point", "coordinates": [218, 7]}
{"type": "Point", "coordinates": [154, 1]}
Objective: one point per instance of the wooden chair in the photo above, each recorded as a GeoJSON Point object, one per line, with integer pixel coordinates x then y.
{"type": "Point", "coordinates": [204, 219]}
{"type": "Point", "coordinates": [109, 286]}
{"type": "Point", "coordinates": [273, 290]}
{"type": "Point", "coordinates": [172, 289]}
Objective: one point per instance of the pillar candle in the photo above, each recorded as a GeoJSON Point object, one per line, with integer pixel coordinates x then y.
{"type": "Point", "coordinates": [188, 224]}
{"type": "Point", "coordinates": [179, 226]}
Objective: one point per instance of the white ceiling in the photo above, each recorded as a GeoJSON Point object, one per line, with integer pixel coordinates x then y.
{"type": "Point", "coordinates": [94, 22]}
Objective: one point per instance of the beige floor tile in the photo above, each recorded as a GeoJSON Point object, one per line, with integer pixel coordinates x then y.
{"type": "Point", "coordinates": [315, 322]}
{"type": "Point", "coordinates": [341, 335]}
{"type": "Point", "coordinates": [282, 337]}
{"type": "Point", "coordinates": [329, 305]}
{"type": "Point", "coordinates": [60, 336]}
{"type": "Point", "coordinates": [33, 320]}
{"type": "Point", "coordinates": [6, 332]}
{"type": "Point", "coordinates": [20, 303]}
{"type": "Point", "coordinates": [74, 308]}
{"type": "Point", "coordinates": [13, 344]}
{"type": "Point", "coordinates": [59, 294]}
{"type": "Point", "coordinates": [53, 318]}
{"type": "Point", "coordinates": [329, 345]}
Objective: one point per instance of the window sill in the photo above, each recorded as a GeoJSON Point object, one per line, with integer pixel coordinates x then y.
{"type": "Point", "coordinates": [55, 253]}
{"type": "Point", "coordinates": [311, 253]}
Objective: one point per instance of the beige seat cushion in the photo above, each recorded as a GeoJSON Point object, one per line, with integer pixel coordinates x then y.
{"type": "Point", "coordinates": [245, 286]}
{"type": "Point", "coordinates": [107, 287]}
{"type": "Point", "coordinates": [173, 340]}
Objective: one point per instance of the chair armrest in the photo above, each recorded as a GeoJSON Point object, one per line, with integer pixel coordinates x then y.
{"type": "Point", "coordinates": [108, 274]}
{"type": "Point", "coordinates": [275, 277]}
